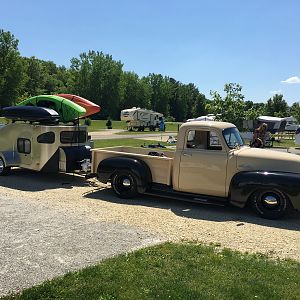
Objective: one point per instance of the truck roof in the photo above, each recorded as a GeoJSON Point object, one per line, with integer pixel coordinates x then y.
{"type": "Point", "coordinates": [212, 124]}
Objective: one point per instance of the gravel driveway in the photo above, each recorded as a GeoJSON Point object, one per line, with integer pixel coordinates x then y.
{"type": "Point", "coordinates": [52, 224]}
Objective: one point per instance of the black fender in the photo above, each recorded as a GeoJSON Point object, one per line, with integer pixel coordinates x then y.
{"type": "Point", "coordinates": [109, 166]}
{"type": "Point", "coordinates": [244, 184]}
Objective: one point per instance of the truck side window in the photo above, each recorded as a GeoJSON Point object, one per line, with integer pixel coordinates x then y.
{"type": "Point", "coordinates": [23, 146]}
{"type": "Point", "coordinates": [214, 141]}
{"type": "Point", "coordinates": [197, 139]}
{"type": "Point", "coordinates": [46, 138]}
{"type": "Point", "coordinates": [200, 139]}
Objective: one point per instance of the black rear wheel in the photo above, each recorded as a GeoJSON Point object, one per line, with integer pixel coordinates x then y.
{"type": "Point", "coordinates": [124, 184]}
{"type": "Point", "coordinates": [270, 203]}
{"type": "Point", "coordinates": [3, 169]}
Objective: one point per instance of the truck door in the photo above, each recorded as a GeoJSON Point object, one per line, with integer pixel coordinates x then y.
{"type": "Point", "coordinates": [24, 149]}
{"type": "Point", "coordinates": [203, 164]}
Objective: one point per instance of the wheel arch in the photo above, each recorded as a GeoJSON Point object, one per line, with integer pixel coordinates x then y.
{"type": "Point", "coordinates": [245, 184]}
{"type": "Point", "coordinates": [109, 166]}
{"type": "Point", "coordinates": [3, 157]}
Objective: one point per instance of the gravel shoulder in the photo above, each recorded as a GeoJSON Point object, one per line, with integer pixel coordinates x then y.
{"type": "Point", "coordinates": [52, 224]}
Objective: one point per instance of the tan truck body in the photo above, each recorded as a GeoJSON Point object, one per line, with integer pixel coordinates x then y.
{"type": "Point", "coordinates": [208, 160]}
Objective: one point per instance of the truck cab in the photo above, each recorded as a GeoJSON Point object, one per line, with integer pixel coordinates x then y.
{"type": "Point", "coordinates": [204, 156]}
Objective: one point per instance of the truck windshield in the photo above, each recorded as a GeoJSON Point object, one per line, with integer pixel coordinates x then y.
{"type": "Point", "coordinates": [233, 137]}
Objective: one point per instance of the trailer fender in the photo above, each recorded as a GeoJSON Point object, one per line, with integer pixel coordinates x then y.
{"type": "Point", "coordinates": [109, 166]}
{"type": "Point", "coordinates": [10, 158]}
{"type": "Point", "coordinates": [245, 184]}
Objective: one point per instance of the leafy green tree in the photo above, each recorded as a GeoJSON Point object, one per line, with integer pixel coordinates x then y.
{"type": "Point", "coordinates": [134, 92]}
{"type": "Point", "coordinates": [11, 69]}
{"type": "Point", "coordinates": [254, 110]}
{"type": "Point", "coordinates": [160, 92]}
{"type": "Point", "coordinates": [295, 111]}
{"type": "Point", "coordinates": [277, 106]}
{"type": "Point", "coordinates": [231, 108]}
{"type": "Point", "coordinates": [34, 76]}
{"type": "Point", "coordinates": [97, 77]}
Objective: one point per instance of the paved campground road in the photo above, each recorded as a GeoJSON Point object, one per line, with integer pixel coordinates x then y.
{"type": "Point", "coordinates": [52, 224]}
{"type": "Point", "coordinates": [41, 238]}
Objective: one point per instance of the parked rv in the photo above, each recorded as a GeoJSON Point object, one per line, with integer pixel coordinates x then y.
{"type": "Point", "coordinates": [139, 119]}
{"type": "Point", "coordinates": [48, 148]}
{"type": "Point", "coordinates": [291, 124]}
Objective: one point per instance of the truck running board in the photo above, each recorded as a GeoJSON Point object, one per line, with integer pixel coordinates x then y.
{"type": "Point", "coordinates": [161, 190]}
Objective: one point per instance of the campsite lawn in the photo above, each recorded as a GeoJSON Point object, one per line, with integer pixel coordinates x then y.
{"type": "Point", "coordinates": [177, 271]}
{"type": "Point", "coordinates": [125, 142]}
{"type": "Point", "coordinates": [97, 125]}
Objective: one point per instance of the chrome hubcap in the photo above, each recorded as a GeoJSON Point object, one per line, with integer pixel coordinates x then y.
{"type": "Point", "coordinates": [126, 182]}
{"type": "Point", "coordinates": [1, 165]}
{"type": "Point", "coordinates": [270, 200]}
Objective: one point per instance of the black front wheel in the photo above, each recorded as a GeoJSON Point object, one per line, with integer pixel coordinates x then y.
{"type": "Point", "coordinates": [124, 184]}
{"type": "Point", "coordinates": [3, 169]}
{"type": "Point", "coordinates": [269, 203]}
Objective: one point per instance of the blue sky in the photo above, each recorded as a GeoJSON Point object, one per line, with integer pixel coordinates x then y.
{"type": "Point", "coordinates": [209, 43]}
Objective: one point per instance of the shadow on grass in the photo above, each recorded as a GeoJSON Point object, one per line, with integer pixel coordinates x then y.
{"type": "Point", "coordinates": [196, 211]}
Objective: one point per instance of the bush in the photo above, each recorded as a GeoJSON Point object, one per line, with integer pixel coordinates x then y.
{"type": "Point", "coordinates": [109, 124]}
{"type": "Point", "coordinates": [87, 121]}
{"type": "Point", "coordinates": [170, 119]}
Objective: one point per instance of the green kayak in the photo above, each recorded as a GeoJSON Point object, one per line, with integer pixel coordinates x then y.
{"type": "Point", "coordinates": [68, 111]}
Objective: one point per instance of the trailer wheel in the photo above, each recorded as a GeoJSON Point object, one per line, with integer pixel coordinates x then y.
{"type": "Point", "coordinates": [269, 203]}
{"type": "Point", "coordinates": [124, 184]}
{"type": "Point", "coordinates": [3, 169]}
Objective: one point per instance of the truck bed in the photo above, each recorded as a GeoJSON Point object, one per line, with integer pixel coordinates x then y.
{"type": "Point", "coordinates": [160, 166]}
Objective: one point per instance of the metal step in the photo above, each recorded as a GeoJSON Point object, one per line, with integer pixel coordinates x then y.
{"type": "Point", "coordinates": [167, 192]}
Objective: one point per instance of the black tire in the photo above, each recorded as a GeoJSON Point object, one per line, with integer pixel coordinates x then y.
{"type": "Point", "coordinates": [124, 184]}
{"type": "Point", "coordinates": [270, 203]}
{"type": "Point", "coordinates": [3, 169]}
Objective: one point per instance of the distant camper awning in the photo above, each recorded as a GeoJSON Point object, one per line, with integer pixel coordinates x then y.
{"type": "Point", "coordinates": [270, 119]}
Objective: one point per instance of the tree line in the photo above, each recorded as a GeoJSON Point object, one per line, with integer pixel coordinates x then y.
{"type": "Point", "coordinates": [101, 79]}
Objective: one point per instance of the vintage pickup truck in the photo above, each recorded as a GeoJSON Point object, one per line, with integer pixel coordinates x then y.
{"type": "Point", "coordinates": [211, 164]}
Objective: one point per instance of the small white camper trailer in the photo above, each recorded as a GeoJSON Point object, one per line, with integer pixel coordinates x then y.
{"type": "Point", "coordinates": [140, 118]}
{"type": "Point", "coordinates": [48, 148]}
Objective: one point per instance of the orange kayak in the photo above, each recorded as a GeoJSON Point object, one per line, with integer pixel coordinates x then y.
{"type": "Point", "coordinates": [90, 107]}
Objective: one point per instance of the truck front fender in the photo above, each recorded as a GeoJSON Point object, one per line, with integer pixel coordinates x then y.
{"type": "Point", "coordinates": [244, 184]}
{"type": "Point", "coordinates": [107, 168]}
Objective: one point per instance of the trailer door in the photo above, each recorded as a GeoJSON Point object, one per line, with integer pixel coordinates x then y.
{"type": "Point", "coordinates": [24, 149]}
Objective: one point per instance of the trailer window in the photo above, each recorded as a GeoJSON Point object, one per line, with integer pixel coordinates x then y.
{"type": "Point", "coordinates": [71, 137]}
{"type": "Point", "coordinates": [46, 138]}
{"type": "Point", "coordinates": [24, 146]}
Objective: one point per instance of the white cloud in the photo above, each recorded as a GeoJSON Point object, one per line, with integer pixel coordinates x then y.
{"type": "Point", "coordinates": [294, 79]}
{"type": "Point", "coordinates": [276, 92]}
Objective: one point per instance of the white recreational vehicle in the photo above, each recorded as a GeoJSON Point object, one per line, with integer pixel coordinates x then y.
{"type": "Point", "coordinates": [140, 118]}
{"type": "Point", "coordinates": [49, 148]}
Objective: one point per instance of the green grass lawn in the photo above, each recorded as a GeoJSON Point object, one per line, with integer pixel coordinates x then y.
{"type": "Point", "coordinates": [124, 142]}
{"type": "Point", "coordinates": [100, 125]}
{"type": "Point", "coordinates": [177, 271]}
{"type": "Point", "coordinates": [284, 144]}
{"type": "Point", "coordinates": [2, 120]}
